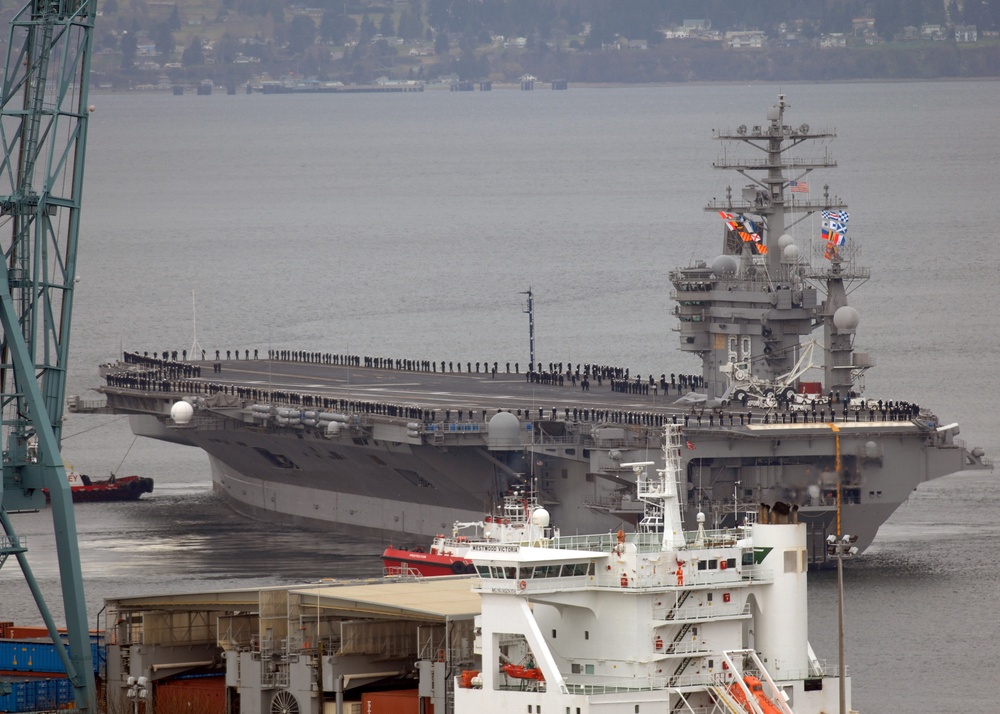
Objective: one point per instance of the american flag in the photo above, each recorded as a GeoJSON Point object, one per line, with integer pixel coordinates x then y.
{"type": "Point", "coordinates": [799, 186]}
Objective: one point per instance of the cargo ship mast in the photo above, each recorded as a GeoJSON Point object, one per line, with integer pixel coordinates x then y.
{"type": "Point", "coordinates": [43, 129]}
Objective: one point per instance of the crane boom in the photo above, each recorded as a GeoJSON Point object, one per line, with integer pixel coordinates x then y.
{"type": "Point", "coordinates": [43, 132]}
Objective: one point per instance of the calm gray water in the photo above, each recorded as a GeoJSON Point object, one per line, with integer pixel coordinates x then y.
{"type": "Point", "coordinates": [407, 225]}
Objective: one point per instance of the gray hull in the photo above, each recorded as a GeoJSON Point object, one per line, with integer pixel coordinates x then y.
{"type": "Point", "coordinates": [399, 492]}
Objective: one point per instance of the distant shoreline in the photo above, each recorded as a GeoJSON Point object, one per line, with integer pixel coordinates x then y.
{"type": "Point", "coordinates": [543, 85]}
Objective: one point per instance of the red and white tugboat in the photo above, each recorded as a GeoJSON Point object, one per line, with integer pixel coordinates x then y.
{"type": "Point", "coordinates": [519, 520]}
{"type": "Point", "coordinates": [114, 488]}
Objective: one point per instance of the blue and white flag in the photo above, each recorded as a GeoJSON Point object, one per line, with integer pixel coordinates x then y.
{"type": "Point", "coordinates": [835, 226]}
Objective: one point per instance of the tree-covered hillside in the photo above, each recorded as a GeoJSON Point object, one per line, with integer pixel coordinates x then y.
{"type": "Point", "coordinates": [143, 42]}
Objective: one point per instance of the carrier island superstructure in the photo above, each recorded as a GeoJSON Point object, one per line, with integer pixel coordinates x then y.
{"type": "Point", "coordinates": [400, 448]}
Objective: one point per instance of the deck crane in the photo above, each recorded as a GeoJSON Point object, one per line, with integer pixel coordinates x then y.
{"type": "Point", "coordinates": [43, 132]}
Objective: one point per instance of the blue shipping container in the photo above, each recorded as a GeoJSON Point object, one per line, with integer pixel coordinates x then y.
{"type": "Point", "coordinates": [39, 656]}
{"type": "Point", "coordinates": [28, 695]}
{"type": "Point", "coordinates": [29, 656]}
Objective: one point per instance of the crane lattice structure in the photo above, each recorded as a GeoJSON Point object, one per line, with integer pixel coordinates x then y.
{"type": "Point", "coordinates": [43, 131]}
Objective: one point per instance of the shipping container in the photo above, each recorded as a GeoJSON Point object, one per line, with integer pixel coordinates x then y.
{"type": "Point", "coordinates": [204, 695]}
{"type": "Point", "coordinates": [29, 694]}
{"type": "Point", "coordinates": [39, 655]}
{"type": "Point", "coordinates": [33, 632]}
{"type": "Point", "coordinates": [29, 656]}
{"type": "Point", "coordinates": [397, 701]}
{"type": "Point", "coordinates": [349, 707]}
{"type": "Point", "coordinates": [21, 632]}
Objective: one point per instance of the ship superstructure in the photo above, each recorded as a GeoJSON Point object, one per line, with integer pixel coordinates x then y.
{"type": "Point", "coordinates": [711, 621]}
{"type": "Point", "coordinates": [705, 621]}
{"type": "Point", "coordinates": [758, 301]}
{"type": "Point", "coordinates": [391, 448]}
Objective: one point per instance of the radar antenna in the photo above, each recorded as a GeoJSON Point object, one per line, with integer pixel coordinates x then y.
{"type": "Point", "coordinates": [43, 130]}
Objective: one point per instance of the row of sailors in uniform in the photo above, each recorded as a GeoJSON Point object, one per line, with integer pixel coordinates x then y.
{"type": "Point", "coordinates": [898, 411]}
{"type": "Point", "coordinates": [168, 369]}
{"type": "Point", "coordinates": [821, 416]}
{"type": "Point", "coordinates": [169, 360]}
{"type": "Point", "coordinates": [164, 377]}
{"type": "Point", "coordinates": [165, 366]}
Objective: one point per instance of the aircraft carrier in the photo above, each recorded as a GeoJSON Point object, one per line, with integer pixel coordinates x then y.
{"type": "Point", "coordinates": [400, 449]}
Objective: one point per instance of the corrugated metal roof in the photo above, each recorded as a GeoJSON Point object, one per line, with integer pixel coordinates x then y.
{"type": "Point", "coordinates": [209, 600]}
{"type": "Point", "coordinates": [431, 598]}
{"type": "Point", "coordinates": [428, 598]}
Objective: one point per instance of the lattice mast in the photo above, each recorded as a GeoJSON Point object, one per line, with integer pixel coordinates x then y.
{"type": "Point", "coordinates": [758, 300]}
{"type": "Point", "coordinates": [43, 130]}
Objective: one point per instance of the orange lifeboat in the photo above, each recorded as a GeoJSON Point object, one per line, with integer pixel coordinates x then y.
{"type": "Point", "coordinates": [518, 671]}
{"type": "Point", "coordinates": [757, 692]}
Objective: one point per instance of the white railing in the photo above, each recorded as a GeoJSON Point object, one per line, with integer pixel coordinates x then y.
{"type": "Point", "coordinates": [702, 612]}
{"type": "Point", "coordinates": [684, 647]}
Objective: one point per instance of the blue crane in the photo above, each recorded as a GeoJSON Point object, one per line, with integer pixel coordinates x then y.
{"type": "Point", "coordinates": [43, 132]}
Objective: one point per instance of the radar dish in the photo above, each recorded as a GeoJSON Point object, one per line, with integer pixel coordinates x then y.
{"type": "Point", "coordinates": [742, 129]}
{"type": "Point", "coordinates": [804, 129]}
{"type": "Point", "coordinates": [790, 254]}
{"type": "Point", "coordinates": [846, 319]}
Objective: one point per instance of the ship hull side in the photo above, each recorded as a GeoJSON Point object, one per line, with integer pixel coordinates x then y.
{"type": "Point", "coordinates": [394, 491]}
{"type": "Point", "coordinates": [331, 510]}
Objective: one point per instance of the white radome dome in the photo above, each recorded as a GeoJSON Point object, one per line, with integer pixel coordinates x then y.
{"type": "Point", "coordinates": [846, 318]}
{"type": "Point", "coordinates": [540, 518]}
{"type": "Point", "coordinates": [724, 265]}
{"type": "Point", "coordinates": [504, 430]}
{"type": "Point", "coordinates": [181, 413]}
